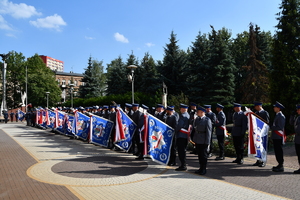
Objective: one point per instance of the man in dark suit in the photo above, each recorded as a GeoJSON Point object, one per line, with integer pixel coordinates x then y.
{"type": "Point", "coordinates": [212, 117]}
{"type": "Point", "coordinates": [182, 136]}
{"type": "Point", "coordinates": [278, 136]}
{"type": "Point", "coordinates": [296, 123]}
{"type": "Point", "coordinates": [136, 114]}
{"type": "Point", "coordinates": [221, 131]}
{"type": "Point", "coordinates": [265, 116]}
{"type": "Point", "coordinates": [203, 130]}
{"type": "Point", "coordinates": [238, 132]}
{"type": "Point", "coordinates": [171, 120]}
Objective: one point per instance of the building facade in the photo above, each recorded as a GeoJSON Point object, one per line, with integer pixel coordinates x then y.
{"type": "Point", "coordinates": [69, 83]}
{"type": "Point", "coordinates": [53, 64]}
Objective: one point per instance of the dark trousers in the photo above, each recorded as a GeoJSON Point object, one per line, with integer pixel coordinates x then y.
{"type": "Point", "coordinates": [278, 150]}
{"type": "Point", "coordinates": [173, 152]}
{"type": "Point", "coordinates": [11, 119]}
{"type": "Point", "coordinates": [202, 150]}
{"type": "Point", "coordinates": [181, 148]}
{"type": "Point", "coordinates": [221, 144]}
{"type": "Point", "coordinates": [211, 145]}
{"type": "Point", "coordinates": [238, 142]}
{"type": "Point", "coordinates": [297, 147]}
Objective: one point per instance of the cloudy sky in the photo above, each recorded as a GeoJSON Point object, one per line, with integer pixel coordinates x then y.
{"type": "Point", "coordinates": [72, 31]}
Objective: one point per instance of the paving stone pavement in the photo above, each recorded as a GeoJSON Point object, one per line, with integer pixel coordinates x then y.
{"type": "Point", "coordinates": [38, 164]}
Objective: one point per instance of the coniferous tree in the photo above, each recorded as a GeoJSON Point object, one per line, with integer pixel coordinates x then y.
{"type": "Point", "coordinates": [197, 70]}
{"type": "Point", "coordinates": [285, 73]}
{"type": "Point", "coordinates": [221, 68]}
{"type": "Point", "coordinates": [174, 62]}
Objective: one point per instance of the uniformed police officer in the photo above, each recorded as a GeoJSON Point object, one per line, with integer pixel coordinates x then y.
{"type": "Point", "coordinates": [141, 132]}
{"type": "Point", "coordinates": [128, 111]}
{"type": "Point", "coordinates": [202, 136]}
{"type": "Point", "coordinates": [136, 114]}
{"type": "Point", "coordinates": [278, 136]}
{"type": "Point", "coordinates": [193, 114]}
{"type": "Point", "coordinates": [159, 114]}
{"type": "Point", "coordinates": [182, 136]}
{"type": "Point", "coordinates": [265, 116]}
{"type": "Point", "coordinates": [12, 114]}
{"type": "Point", "coordinates": [212, 117]}
{"type": "Point", "coordinates": [5, 115]}
{"type": "Point", "coordinates": [172, 121]}
{"type": "Point", "coordinates": [238, 132]}
{"type": "Point", "coordinates": [112, 117]}
{"type": "Point", "coordinates": [220, 130]}
{"type": "Point", "coordinates": [296, 123]}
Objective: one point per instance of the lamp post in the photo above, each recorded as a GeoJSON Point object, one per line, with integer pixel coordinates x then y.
{"type": "Point", "coordinates": [131, 78]}
{"type": "Point", "coordinates": [3, 104]}
{"type": "Point", "coordinates": [47, 93]}
{"type": "Point", "coordinates": [71, 88]}
{"type": "Point", "coordinates": [26, 90]}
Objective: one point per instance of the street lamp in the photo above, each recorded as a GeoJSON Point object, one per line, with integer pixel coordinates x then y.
{"type": "Point", "coordinates": [47, 93]}
{"type": "Point", "coordinates": [3, 104]}
{"type": "Point", "coordinates": [71, 88]}
{"type": "Point", "coordinates": [26, 90]}
{"type": "Point", "coordinates": [131, 79]}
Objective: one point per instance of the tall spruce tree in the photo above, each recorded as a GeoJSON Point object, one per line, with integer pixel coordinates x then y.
{"type": "Point", "coordinates": [285, 73]}
{"type": "Point", "coordinates": [197, 70]}
{"type": "Point", "coordinates": [255, 86]}
{"type": "Point", "coordinates": [174, 62]}
{"type": "Point", "coordinates": [221, 83]}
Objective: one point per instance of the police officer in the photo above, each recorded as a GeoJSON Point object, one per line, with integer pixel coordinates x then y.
{"type": "Point", "coordinates": [238, 132]}
{"type": "Point", "coordinates": [12, 114]}
{"type": "Point", "coordinates": [212, 117]}
{"type": "Point", "coordinates": [193, 114]}
{"type": "Point", "coordinates": [172, 121]}
{"type": "Point", "coordinates": [202, 137]}
{"type": "Point", "coordinates": [278, 136]}
{"type": "Point", "coordinates": [182, 136]}
{"type": "Point", "coordinates": [160, 113]}
{"type": "Point", "coordinates": [220, 130]}
{"type": "Point", "coordinates": [296, 123]}
{"type": "Point", "coordinates": [136, 114]}
{"type": "Point", "coordinates": [17, 116]}
{"type": "Point", "coordinates": [265, 116]}
{"type": "Point", "coordinates": [28, 118]}
{"type": "Point", "coordinates": [128, 110]}
{"type": "Point", "coordinates": [105, 112]}
{"type": "Point", "coordinates": [112, 117]}
{"type": "Point", "coordinates": [141, 130]}
{"type": "Point", "coordinates": [5, 114]}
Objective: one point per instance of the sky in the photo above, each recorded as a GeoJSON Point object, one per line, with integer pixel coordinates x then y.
{"type": "Point", "coordinates": [74, 30]}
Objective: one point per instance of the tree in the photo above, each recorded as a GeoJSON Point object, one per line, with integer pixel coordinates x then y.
{"type": "Point", "coordinates": [255, 86]}
{"type": "Point", "coordinates": [172, 67]}
{"type": "Point", "coordinates": [285, 71]}
{"type": "Point", "coordinates": [197, 71]}
{"type": "Point", "coordinates": [94, 80]}
{"type": "Point", "coordinates": [221, 68]}
{"type": "Point", "coordinates": [41, 80]}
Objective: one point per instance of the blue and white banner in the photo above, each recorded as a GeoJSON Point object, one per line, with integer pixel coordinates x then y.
{"type": "Point", "coordinates": [68, 125]}
{"type": "Point", "coordinates": [51, 116]}
{"type": "Point", "coordinates": [258, 137]}
{"type": "Point", "coordinates": [21, 115]}
{"type": "Point", "coordinates": [60, 122]}
{"type": "Point", "coordinates": [160, 137]}
{"type": "Point", "coordinates": [82, 125]}
{"type": "Point", "coordinates": [100, 130]}
{"type": "Point", "coordinates": [124, 127]}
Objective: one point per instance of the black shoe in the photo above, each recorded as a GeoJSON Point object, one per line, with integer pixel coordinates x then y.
{"type": "Point", "coordinates": [257, 163]}
{"type": "Point", "coordinates": [203, 172]}
{"type": "Point", "coordinates": [278, 168]}
{"type": "Point", "coordinates": [240, 162]}
{"type": "Point", "coordinates": [297, 171]}
{"type": "Point", "coordinates": [181, 168]}
{"type": "Point", "coordinates": [210, 155]}
{"type": "Point", "coordinates": [262, 164]}
{"type": "Point", "coordinates": [220, 158]}
{"type": "Point", "coordinates": [140, 158]}
{"type": "Point", "coordinates": [235, 161]}
{"type": "Point", "coordinates": [172, 164]}
{"type": "Point", "coordinates": [198, 171]}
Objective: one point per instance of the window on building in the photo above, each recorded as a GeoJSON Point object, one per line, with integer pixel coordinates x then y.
{"type": "Point", "coordinates": [63, 82]}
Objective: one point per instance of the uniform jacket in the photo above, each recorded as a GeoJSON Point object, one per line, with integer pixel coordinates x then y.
{"type": "Point", "coordinates": [240, 122]}
{"type": "Point", "coordinates": [203, 130]}
{"type": "Point", "coordinates": [221, 121]}
{"type": "Point", "coordinates": [160, 116]}
{"type": "Point", "coordinates": [278, 125]}
{"type": "Point", "coordinates": [183, 122]}
{"type": "Point", "coordinates": [112, 117]}
{"type": "Point", "coordinates": [212, 117]}
{"type": "Point", "coordinates": [171, 120]}
{"type": "Point", "coordinates": [263, 114]}
{"type": "Point", "coordinates": [136, 117]}
{"type": "Point", "coordinates": [296, 123]}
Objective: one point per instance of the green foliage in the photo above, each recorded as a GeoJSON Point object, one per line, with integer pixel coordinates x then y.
{"type": "Point", "coordinates": [176, 100]}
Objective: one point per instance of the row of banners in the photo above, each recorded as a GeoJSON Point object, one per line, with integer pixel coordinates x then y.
{"type": "Point", "coordinates": [157, 135]}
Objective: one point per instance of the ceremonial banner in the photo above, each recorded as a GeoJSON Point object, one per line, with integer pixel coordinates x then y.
{"type": "Point", "coordinates": [100, 130]}
{"type": "Point", "coordinates": [82, 125]}
{"type": "Point", "coordinates": [258, 137]}
{"type": "Point", "coordinates": [125, 128]}
{"type": "Point", "coordinates": [21, 115]}
{"type": "Point", "coordinates": [51, 116]}
{"type": "Point", "coordinates": [160, 137]}
{"type": "Point", "coordinates": [60, 122]}
{"type": "Point", "coordinates": [68, 124]}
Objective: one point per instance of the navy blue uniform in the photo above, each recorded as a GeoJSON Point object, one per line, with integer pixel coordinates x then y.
{"type": "Point", "coordinates": [238, 132]}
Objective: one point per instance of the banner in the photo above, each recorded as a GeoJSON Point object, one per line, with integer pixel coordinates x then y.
{"type": "Point", "coordinates": [100, 130]}
{"type": "Point", "coordinates": [82, 125]}
{"type": "Point", "coordinates": [258, 137]}
{"type": "Point", "coordinates": [60, 122]}
{"type": "Point", "coordinates": [125, 129]}
{"type": "Point", "coordinates": [160, 137]}
{"type": "Point", "coordinates": [51, 116]}
{"type": "Point", "coordinates": [21, 115]}
{"type": "Point", "coordinates": [68, 124]}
